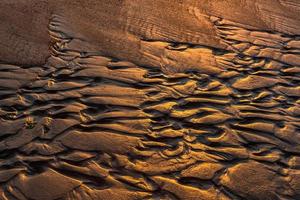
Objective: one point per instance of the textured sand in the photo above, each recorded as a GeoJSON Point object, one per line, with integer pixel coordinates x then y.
{"type": "Point", "coordinates": [140, 99]}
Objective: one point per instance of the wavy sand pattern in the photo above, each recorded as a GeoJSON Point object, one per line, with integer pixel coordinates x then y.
{"type": "Point", "coordinates": [130, 100]}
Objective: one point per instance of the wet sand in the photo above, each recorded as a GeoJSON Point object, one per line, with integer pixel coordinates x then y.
{"type": "Point", "coordinates": [191, 100]}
